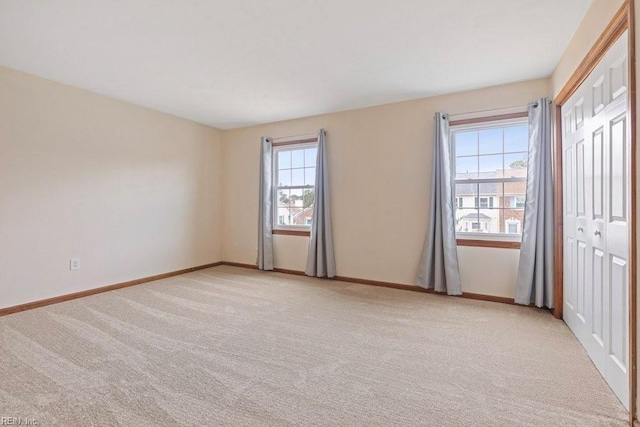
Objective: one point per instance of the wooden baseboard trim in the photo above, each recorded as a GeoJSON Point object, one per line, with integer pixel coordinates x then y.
{"type": "Point", "coordinates": [239, 264]}
{"type": "Point", "coordinates": [413, 288]}
{"type": "Point", "coordinates": [88, 292]}
{"type": "Point", "coordinates": [254, 267]}
{"type": "Point", "coordinates": [383, 284]}
{"type": "Point", "coordinates": [287, 271]}
{"type": "Point", "coordinates": [492, 298]}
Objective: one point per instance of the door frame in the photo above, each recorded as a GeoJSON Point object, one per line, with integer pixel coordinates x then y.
{"type": "Point", "coordinates": [622, 21]}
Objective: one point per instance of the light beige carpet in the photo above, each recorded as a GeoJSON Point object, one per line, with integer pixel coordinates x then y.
{"type": "Point", "coordinates": [230, 346]}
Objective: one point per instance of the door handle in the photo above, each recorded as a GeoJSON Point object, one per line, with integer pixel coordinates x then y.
{"type": "Point", "coordinates": [580, 229]}
{"type": "Point", "coordinates": [597, 233]}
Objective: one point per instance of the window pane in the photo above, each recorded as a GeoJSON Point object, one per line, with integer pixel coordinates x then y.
{"type": "Point", "coordinates": [466, 195]}
{"type": "Point", "coordinates": [307, 198]}
{"type": "Point", "coordinates": [480, 212]}
{"type": "Point", "coordinates": [490, 166]}
{"type": "Point", "coordinates": [284, 178]}
{"type": "Point", "coordinates": [498, 192]}
{"type": "Point", "coordinates": [485, 220]}
{"type": "Point", "coordinates": [515, 165]}
{"type": "Point", "coordinates": [514, 194]}
{"type": "Point", "coordinates": [283, 198]}
{"type": "Point", "coordinates": [466, 143]}
{"type": "Point", "coordinates": [488, 201]}
{"type": "Point", "coordinates": [490, 207]}
{"type": "Point", "coordinates": [294, 207]}
{"type": "Point", "coordinates": [516, 138]}
{"type": "Point", "coordinates": [304, 215]}
{"type": "Point", "coordinates": [490, 214]}
{"type": "Point", "coordinates": [467, 221]}
{"type": "Point", "coordinates": [490, 141]}
{"type": "Point", "coordinates": [297, 177]}
{"type": "Point", "coordinates": [296, 198]}
{"type": "Point", "coordinates": [513, 220]}
{"type": "Point", "coordinates": [284, 159]}
{"type": "Point", "coordinates": [466, 167]}
{"type": "Point", "coordinates": [310, 176]}
{"type": "Point", "coordinates": [297, 158]}
{"type": "Point", "coordinates": [489, 190]}
{"type": "Point", "coordinates": [310, 157]}
{"type": "Point", "coordinates": [284, 213]}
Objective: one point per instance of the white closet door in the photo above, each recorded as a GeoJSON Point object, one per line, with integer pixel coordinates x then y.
{"type": "Point", "coordinates": [596, 186]}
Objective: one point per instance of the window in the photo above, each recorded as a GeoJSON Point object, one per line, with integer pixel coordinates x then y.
{"type": "Point", "coordinates": [490, 166]}
{"type": "Point", "coordinates": [294, 174]}
{"type": "Point", "coordinates": [513, 225]}
{"type": "Point", "coordinates": [460, 202]}
{"type": "Point", "coordinates": [517, 202]}
{"type": "Point", "coordinates": [483, 202]}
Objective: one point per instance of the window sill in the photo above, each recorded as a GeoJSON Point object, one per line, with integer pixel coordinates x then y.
{"type": "Point", "coordinates": [306, 233]}
{"type": "Point", "coordinates": [502, 244]}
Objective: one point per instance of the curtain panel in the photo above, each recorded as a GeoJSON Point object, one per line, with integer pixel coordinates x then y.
{"type": "Point", "coordinates": [265, 207]}
{"type": "Point", "coordinates": [320, 256]}
{"type": "Point", "coordinates": [535, 283]}
{"type": "Point", "coordinates": [438, 267]}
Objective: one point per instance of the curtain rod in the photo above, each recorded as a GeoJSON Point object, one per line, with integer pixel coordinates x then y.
{"type": "Point", "coordinates": [296, 136]}
{"type": "Point", "coordinates": [493, 109]}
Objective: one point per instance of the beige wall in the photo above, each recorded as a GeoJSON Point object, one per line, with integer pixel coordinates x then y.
{"type": "Point", "coordinates": [379, 161]}
{"type": "Point", "coordinates": [130, 191]}
{"type": "Point", "coordinates": [595, 21]}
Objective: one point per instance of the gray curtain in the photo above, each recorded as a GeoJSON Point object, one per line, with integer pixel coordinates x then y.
{"type": "Point", "coordinates": [320, 259]}
{"type": "Point", "coordinates": [265, 209]}
{"type": "Point", "coordinates": [438, 268]}
{"type": "Point", "coordinates": [535, 270]}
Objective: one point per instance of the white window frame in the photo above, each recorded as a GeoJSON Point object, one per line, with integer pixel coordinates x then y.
{"type": "Point", "coordinates": [500, 237]}
{"type": "Point", "coordinates": [275, 187]}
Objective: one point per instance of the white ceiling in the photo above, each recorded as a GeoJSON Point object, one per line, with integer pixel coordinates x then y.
{"type": "Point", "coordinates": [236, 63]}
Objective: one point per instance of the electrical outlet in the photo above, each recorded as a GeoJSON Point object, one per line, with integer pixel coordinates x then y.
{"type": "Point", "coordinates": [74, 264]}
